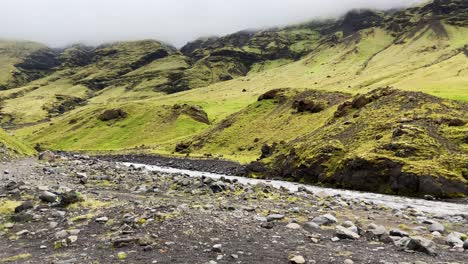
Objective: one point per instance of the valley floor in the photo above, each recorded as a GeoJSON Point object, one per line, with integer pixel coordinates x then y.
{"type": "Point", "coordinates": [83, 210]}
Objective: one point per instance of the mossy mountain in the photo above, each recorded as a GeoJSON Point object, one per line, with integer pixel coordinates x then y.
{"type": "Point", "coordinates": [302, 98]}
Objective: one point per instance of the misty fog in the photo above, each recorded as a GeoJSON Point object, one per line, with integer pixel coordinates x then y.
{"type": "Point", "coordinates": [59, 22]}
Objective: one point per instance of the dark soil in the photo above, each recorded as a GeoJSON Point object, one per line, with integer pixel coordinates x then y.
{"type": "Point", "coordinates": [208, 165]}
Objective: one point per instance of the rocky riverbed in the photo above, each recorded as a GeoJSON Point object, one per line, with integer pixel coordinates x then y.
{"type": "Point", "coordinates": [78, 209]}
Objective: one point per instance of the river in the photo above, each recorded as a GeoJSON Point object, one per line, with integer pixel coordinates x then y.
{"type": "Point", "coordinates": [396, 202]}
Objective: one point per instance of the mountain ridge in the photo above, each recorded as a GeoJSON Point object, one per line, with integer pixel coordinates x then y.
{"type": "Point", "coordinates": [204, 99]}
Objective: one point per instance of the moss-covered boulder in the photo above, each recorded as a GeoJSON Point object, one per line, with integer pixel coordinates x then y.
{"type": "Point", "coordinates": [112, 114]}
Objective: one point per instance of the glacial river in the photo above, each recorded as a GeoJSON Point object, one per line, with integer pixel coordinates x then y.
{"type": "Point", "coordinates": [397, 202]}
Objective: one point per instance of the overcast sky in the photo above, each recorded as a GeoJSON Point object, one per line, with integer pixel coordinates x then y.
{"type": "Point", "coordinates": [63, 22]}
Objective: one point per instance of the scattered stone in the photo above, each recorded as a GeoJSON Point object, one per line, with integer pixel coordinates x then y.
{"type": "Point", "coordinates": [454, 239]}
{"type": "Point", "coordinates": [350, 225]}
{"type": "Point", "coordinates": [398, 233]}
{"type": "Point", "coordinates": [429, 198]}
{"type": "Point", "coordinates": [61, 234]}
{"type": "Point", "coordinates": [323, 195]}
{"type": "Point", "coordinates": [48, 197]}
{"type": "Point", "coordinates": [74, 231]}
{"type": "Point", "coordinates": [148, 248]}
{"type": "Point", "coordinates": [69, 198]}
{"type": "Point", "coordinates": [24, 206]}
{"type": "Point", "coordinates": [267, 225]}
{"type": "Point", "coordinates": [217, 248]}
{"type": "Point", "coordinates": [47, 156]}
{"type": "Point", "coordinates": [297, 260]}
{"type": "Point", "coordinates": [348, 261]}
{"type": "Point", "coordinates": [274, 217]}
{"type": "Point", "coordinates": [335, 239]}
{"type": "Point", "coordinates": [419, 244]}
{"type": "Point", "coordinates": [326, 219]}
{"type": "Point", "coordinates": [377, 232]}
{"type": "Point", "coordinates": [53, 225]}
{"type": "Point", "coordinates": [72, 239]}
{"type": "Point", "coordinates": [311, 226]}
{"type": "Point", "coordinates": [103, 219]}
{"type": "Point", "coordinates": [22, 232]}
{"type": "Point", "coordinates": [217, 187]}
{"type": "Point", "coordinates": [344, 233]}
{"type": "Point", "coordinates": [437, 227]}
{"type": "Point", "coordinates": [9, 225]}
{"type": "Point", "coordinates": [293, 226]}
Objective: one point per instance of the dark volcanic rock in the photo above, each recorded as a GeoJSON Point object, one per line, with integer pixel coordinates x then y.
{"type": "Point", "coordinates": [356, 20]}
{"type": "Point", "coordinates": [112, 114]}
{"type": "Point", "coordinates": [69, 198]}
{"type": "Point", "coordinates": [311, 106]}
{"type": "Point", "coordinates": [194, 111]}
{"type": "Point", "coordinates": [41, 60]}
{"type": "Point", "coordinates": [24, 206]}
{"type": "Point", "coordinates": [77, 56]}
{"type": "Point", "coordinates": [277, 94]}
{"type": "Point", "coordinates": [183, 147]}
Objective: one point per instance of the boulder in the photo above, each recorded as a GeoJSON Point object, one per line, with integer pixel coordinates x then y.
{"type": "Point", "coordinates": [274, 217]}
{"type": "Point", "coordinates": [345, 233]}
{"type": "Point", "coordinates": [218, 186]}
{"type": "Point", "coordinates": [112, 114]}
{"type": "Point", "coordinates": [69, 198]}
{"type": "Point", "coordinates": [326, 219]}
{"type": "Point", "coordinates": [419, 244]}
{"type": "Point", "coordinates": [48, 197]}
{"type": "Point", "coordinates": [293, 226]}
{"type": "Point", "coordinates": [297, 260]}
{"type": "Point", "coordinates": [47, 156]}
{"type": "Point", "coordinates": [273, 94]}
{"type": "Point", "coordinates": [311, 226]}
{"type": "Point", "coordinates": [306, 105]}
{"type": "Point", "coordinates": [24, 206]}
{"type": "Point", "coordinates": [454, 239]}
{"type": "Point", "coordinates": [437, 227]}
{"type": "Point", "coordinates": [398, 233]}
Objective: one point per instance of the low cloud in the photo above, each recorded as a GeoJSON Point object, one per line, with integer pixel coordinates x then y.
{"type": "Point", "coordinates": [59, 22]}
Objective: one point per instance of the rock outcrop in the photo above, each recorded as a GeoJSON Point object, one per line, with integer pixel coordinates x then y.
{"type": "Point", "coordinates": [377, 142]}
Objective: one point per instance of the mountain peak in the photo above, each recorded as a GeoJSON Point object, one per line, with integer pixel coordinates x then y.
{"type": "Point", "coordinates": [359, 19]}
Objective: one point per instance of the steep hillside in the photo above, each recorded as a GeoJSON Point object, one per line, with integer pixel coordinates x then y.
{"type": "Point", "coordinates": [277, 116]}
{"type": "Point", "coordinates": [11, 147]}
{"type": "Point", "coordinates": [128, 126]}
{"type": "Point", "coordinates": [420, 49]}
{"type": "Point", "coordinates": [22, 62]}
{"type": "Point", "coordinates": [387, 140]}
